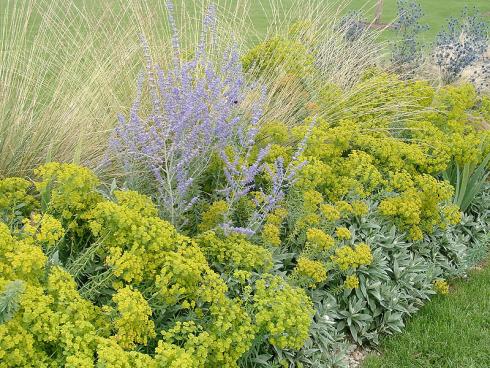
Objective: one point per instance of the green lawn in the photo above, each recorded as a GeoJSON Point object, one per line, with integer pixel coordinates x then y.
{"type": "Point", "coordinates": [436, 11]}
{"type": "Point", "coordinates": [449, 332]}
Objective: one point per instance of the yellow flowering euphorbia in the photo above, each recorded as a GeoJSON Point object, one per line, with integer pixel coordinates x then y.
{"type": "Point", "coordinates": [70, 191]}
{"type": "Point", "coordinates": [284, 312]}
{"type": "Point", "coordinates": [309, 272]}
{"type": "Point", "coordinates": [137, 202]}
{"type": "Point", "coordinates": [234, 252]}
{"type": "Point", "coordinates": [15, 194]}
{"type": "Point", "coordinates": [351, 282]}
{"type": "Point", "coordinates": [109, 320]}
{"type": "Point", "coordinates": [276, 54]}
{"type": "Point", "coordinates": [318, 240]}
{"type": "Point", "coordinates": [347, 258]}
{"type": "Point", "coordinates": [359, 208]}
{"type": "Point", "coordinates": [398, 163]}
{"type": "Point", "coordinates": [214, 215]}
{"type": "Point", "coordinates": [44, 228]}
{"type": "Point", "coordinates": [329, 212]}
{"type": "Point", "coordinates": [271, 234]}
{"type": "Point", "coordinates": [133, 324]}
{"type": "Point", "coordinates": [421, 206]}
{"type": "Point", "coordinates": [343, 233]}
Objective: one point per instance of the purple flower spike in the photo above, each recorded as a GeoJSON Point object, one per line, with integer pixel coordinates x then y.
{"type": "Point", "coordinates": [194, 113]}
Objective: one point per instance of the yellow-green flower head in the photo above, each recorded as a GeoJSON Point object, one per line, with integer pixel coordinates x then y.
{"type": "Point", "coordinates": [279, 54]}
{"type": "Point", "coordinates": [307, 221]}
{"type": "Point", "coordinates": [14, 192]}
{"type": "Point", "coordinates": [351, 282]}
{"type": "Point", "coordinates": [133, 323]}
{"type": "Point", "coordinates": [402, 181]}
{"type": "Point", "coordinates": [277, 216]}
{"type": "Point", "coordinates": [312, 272]}
{"type": "Point", "coordinates": [283, 312]}
{"type": "Point", "coordinates": [234, 252]}
{"type": "Point", "coordinates": [312, 199]}
{"type": "Point", "coordinates": [345, 208]}
{"type": "Point", "coordinates": [273, 132]}
{"type": "Point", "coordinates": [415, 233]}
{"type": "Point", "coordinates": [173, 356]}
{"type": "Point", "coordinates": [453, 214]}
{"type": "Point", "coordinates": [242, 276]}
{"type": "Point", "coordinates": [20, 259]}
{"type": "Point", "coordinates": [271, 235]}
{"type": "Point", "coordinates": [343, 233]}
{"type": "Point", "coordinates": [111, 354]}
{"type": "Point", "coordinates": [347, 258]}
{"type": "Point", "coordinates": [314, 173]}
{"type": "Point", "coordinates": [44, 228]}
{"type": "Point", "coordinates": [214, 215]}
{"type": "Point", "coordinates": [364, 255]}
{"type": "Point", "coordinates": [441, 286]}
{"type": "Point", "coordinates": [359, 208]}
{"type": "Point", "coordinates": [135, 201]}
{"type": "Point", "coordinates": [71, 189]}
{"type": "Point", "coordinates": [318, 239]}
{"type": "Point", "coordinates": [330, 213]}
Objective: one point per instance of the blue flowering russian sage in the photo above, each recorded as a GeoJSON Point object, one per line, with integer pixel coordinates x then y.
{"type": "Point", "coordinates": [241, 178]}
{"type": "Point", "coordinates": [194, 111]}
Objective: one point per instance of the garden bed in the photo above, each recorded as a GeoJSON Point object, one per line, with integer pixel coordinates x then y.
{"type": "Point", "coordinates": [210, 203]}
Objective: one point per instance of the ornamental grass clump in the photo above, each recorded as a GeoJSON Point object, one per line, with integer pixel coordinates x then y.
{"type": "Point", "coordinates": [63, 76]}
{"type": "Point", "coordinates": [67, 70]}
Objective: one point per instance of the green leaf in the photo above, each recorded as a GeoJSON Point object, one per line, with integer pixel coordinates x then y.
{"type": "Point", "coordinates": [10, 300]}
{"type": "Point", "coordinates": [467, 181]}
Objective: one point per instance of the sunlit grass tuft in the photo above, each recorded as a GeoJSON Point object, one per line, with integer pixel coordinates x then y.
{"type": "Point", "coordinates": [67, 68]}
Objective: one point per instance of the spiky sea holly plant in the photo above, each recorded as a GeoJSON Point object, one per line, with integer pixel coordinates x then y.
{"type": "Point", "coordinates": [407, 49]}
{"type": "Point", "coordinates": [352, 25]}
{"type": "Point", "coordinates": [462, 42]}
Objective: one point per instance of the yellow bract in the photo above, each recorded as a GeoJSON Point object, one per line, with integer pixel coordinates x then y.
{"type": "Point", "coordinates": [44, 228]}
{"type": "Point", "coordinates": [441, 286]}
{"type": "Point", "coordinates": [319, 240]}
{"type": "Point", "coordinates": [343, 233]}
{"type": "Point", "coordinates": [283, 311]}
{"type": "Point", "coordinates": [133, 322]}
{"type": "Point", "coordinates": [347, 258]}
{"type": "Point", "coordinates": [213, 215]}
{"type": "Point", "coordinates": [351, 282]}
{"type": "Point", "coordinates": [309, 272]}
{"type": "Point", "coordinates": [13, 192]}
